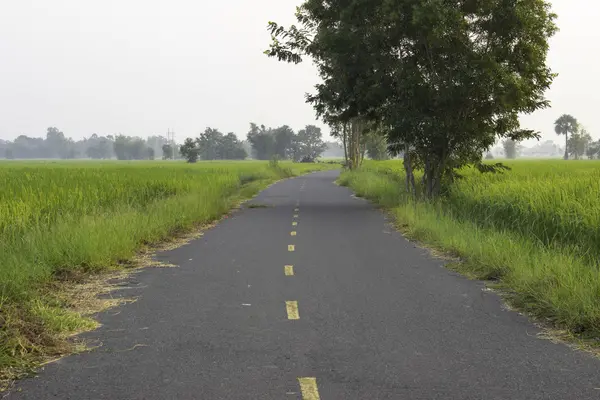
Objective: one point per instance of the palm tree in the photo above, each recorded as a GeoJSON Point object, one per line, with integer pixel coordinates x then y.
{"type": "Point", "coordinates": [563, 126]}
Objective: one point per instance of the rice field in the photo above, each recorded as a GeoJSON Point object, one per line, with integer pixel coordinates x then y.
{"type": "Point", "coordinates": [64, 219]}
{"type": "Point", "coordinates": [553, 202]}
{"type": "Point", "coordinates": [535, 230]}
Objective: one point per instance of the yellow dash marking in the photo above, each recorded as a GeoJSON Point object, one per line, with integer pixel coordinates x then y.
{"type": "Point", "coordinates": [289, 270]}
{"type": "Point", "coordinates": [292, 310]}
{"type": "Point", "coordinates": [293, 233]}
{"type": "Point", "coordinates": [308, 387]}
{"type": "Point", "coordinates": [291, 247]}
{"type": "Point", "coordinates": [294, 223]}
{"type": "Point", "coordinates": [295, 215]}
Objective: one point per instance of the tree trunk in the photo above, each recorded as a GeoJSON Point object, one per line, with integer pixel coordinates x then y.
{"type": "Point", "coordinates": [354, 143]}
{"type": "Point", "coordinates": [358, 137]}
{"type": "Point", "coordinates": [410, 177]}
{"type": "Point", "coordinates": [428, 175]}
{"type": "Point", "coordinates": [345, 140]}
{"type": "Point", "coordinates": [437, 179]}
{"type": "Point", "coordinates": [566, 145]}
{"type": "Point", "coordinates": [350, 144]}
{"type": "Point", "coordinates": [434, 169]}
{"type": "Point", "coordinates": [363, 151]}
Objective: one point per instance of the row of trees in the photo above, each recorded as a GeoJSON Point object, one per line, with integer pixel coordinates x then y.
{"type": "Point", "coordinates": [264, 144]}
{"type": "Point", "coordinates": [213, 145]}
{"type": "Point", "coordinates": [307, 144]}
{"type": "Point", "coordinates": [57, 145]}
{"type": "Point", "coordinates": [284, 143]}
{"type": "Point", "coordinates": [442, 81]}
{"type": "Point", "coordinates": [578, 141]}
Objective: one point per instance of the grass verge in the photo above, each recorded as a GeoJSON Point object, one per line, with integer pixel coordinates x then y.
{"type": "Point", "coordinates": [69, 229]}
{"type": "Point", "coordinates": [554, 284]}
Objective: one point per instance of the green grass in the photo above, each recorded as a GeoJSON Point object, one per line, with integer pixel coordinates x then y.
{"type": "Point", "coordinates": [62, 220]}
{"type": "Point", "coordinates": [535, 230]}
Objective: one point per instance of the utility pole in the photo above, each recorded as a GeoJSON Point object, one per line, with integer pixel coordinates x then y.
{"type": "Point", "coordinates": [171, 140]}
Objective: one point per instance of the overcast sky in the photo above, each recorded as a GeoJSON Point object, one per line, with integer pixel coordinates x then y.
{"type": "Point", "coordinates": [140, 67]}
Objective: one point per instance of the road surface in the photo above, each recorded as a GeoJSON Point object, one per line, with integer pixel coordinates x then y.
{"type": "Point", "coordinates": [313, 297]}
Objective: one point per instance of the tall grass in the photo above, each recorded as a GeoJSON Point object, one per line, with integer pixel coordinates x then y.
{"type": "Point", "coordinates": [536, 229]}
{"type": "Point", "coordinates": [61, 219]}
{"type": "Point", "coordinates": [555, 203]}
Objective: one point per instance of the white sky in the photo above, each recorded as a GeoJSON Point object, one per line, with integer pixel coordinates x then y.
{"type": "Point", "coordinates": [139, 67]}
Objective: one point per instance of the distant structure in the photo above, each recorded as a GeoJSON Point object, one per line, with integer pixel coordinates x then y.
{"type": "Point", "coordinates": [543, 150]}
{"type": "Point", "coordinates": [546, 149]}
{"type": "Point", "coordinates": [171, 141]}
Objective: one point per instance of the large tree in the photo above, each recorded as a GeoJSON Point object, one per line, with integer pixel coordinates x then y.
{"type": "Point", "coordinates": [209, 144]}
{"type": "Point", "coordinates": [308, 144]}
{"type": "Point", "coordinates": [445, 78]}
{"type": "Point", "coordinates": [283, 141]}
{"type": "Point", "coordinates": [56, 143]}
{"type": "Point", "coordinates": [578, 143]}
{"type": "Point", "coordinates": [262, 141]}
{"type": "Point", "coordinates": [168, 151]}
{"type": "Point", "coordinates": [189, 150]}
{"type": "Point", "coordinates": [592, 152]}
{"type": "Point", "coordinates": [510, 149]}
{"type": "Point", "coordinates": [566, 124]}
{"type": "Point", "coordinates": [232, 148]}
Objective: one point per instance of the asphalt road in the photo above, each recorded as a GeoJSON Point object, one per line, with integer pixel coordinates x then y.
{"type": "Point", "coordinates": [365, 315]}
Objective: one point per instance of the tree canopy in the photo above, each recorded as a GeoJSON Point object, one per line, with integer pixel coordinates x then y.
{"type": "Point", "coordinates": [213, 145]}
{"type": "Point", "coordinates": [579, 144]}
{"type": "Point", "coordinates": [445, 78]}
{"type": "Point", "coordinates": [189, 150]}
{"type": "Point", "coordinates": [593, 150]}
{"type": "Point", "coordinates": [284, 143]}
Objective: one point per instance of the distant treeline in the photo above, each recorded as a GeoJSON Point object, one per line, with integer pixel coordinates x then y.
{"type": "Point", "coordinates": [57, 145]}
{"type": "Point", "coordinates": [263, 143]}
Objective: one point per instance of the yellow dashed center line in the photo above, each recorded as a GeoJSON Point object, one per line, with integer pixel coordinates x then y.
{"type": "Point", "coordinates": [308, 387]}
{"type": "Point", "coordinates": [292, 310]}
